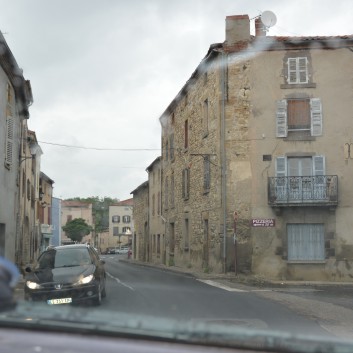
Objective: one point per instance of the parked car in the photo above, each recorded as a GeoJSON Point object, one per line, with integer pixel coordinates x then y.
{"type": "Point", "coordinates": [66, 274]}
{"type": "Point", "coordinates": [122, 250]}
{"type": "Point", "coordinates": [111, 251]}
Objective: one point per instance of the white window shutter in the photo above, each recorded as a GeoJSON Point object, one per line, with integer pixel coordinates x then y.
{"type": "Point", "coordinates": [319, 165]}
{"type": "Point", "coordinates": [281, 166]}
{"type": "Point", "coordinates": [292, 70]}
{"type": "Point", "coordinates": [281, 119]}
{"type": "Point", "coordinates": [303, 70]}
{"type": "Point", "coordinates": [316, 117]}
{"type": "Point", "coordinates": [9, 140]}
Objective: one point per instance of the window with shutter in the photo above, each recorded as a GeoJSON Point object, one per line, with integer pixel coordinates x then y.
{"type": "Point", "coordinates": [172, 190]}
{"type": "Point", "coordinates": [166, 193]}
{"type": "Point", "coordinates": [9, 141]}
{"type": "Point", "coordinates": [171, 146]}
{"type": "Point", "coordinates": [186, 183]}
{"type": "Point", "coordinates": [206, 174]}
{"type": "Point", "coordinates": [306, 242]}
{"type": "Point", "coordinates": [186, 134]}
{"type": "Point", "coordinates": [300, 166]}
{"type": "Point", "coordinates": [205, 114]}
{"type": "Point", "coordinates": [298, 70]}
{"type": "Point", "coordinates": [115, 219]}
{"type": "Point", "coordinates": [301, 117]}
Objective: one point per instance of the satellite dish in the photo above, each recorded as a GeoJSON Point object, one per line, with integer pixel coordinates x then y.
{"type": "Point", "coordinates": [268, 18]}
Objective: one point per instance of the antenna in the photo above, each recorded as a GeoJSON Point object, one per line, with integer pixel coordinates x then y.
{"type": "Point", "coordinates": [268, 19]}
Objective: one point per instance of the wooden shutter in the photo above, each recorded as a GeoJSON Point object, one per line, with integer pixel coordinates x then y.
{"type": "Point", "coordinates": [281, 166]}
{"type": "Point", "coordinates": [316, 117]}
{"type": "Point", "coordinates": [9, 140]}
{"type": "Point", "coordinates": [281, 119]}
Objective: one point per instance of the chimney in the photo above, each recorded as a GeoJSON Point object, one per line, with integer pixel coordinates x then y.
{"type": "Point", "coordinates": [237, 29]}
{"type": "Point", "coordinates": [260, 29]}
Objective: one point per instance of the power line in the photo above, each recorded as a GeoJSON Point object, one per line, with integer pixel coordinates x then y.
{"type": "Point", "coordinates": [99, 148]}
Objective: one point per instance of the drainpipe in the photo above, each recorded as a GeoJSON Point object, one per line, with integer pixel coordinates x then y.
{"type": "Point", "coordinates": [223, 159]}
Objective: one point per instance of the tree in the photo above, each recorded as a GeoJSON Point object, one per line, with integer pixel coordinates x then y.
{"type": "Point", "coordinates": [77, 229]}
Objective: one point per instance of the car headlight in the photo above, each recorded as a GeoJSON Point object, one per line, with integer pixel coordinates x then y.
{"type": "Point", "coordinates": [33, 285]}
{"type": "Point", "coordinates": [84, 280]}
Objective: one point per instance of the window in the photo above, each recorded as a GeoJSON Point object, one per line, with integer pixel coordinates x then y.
{"type": "Point", "coordinates": [158, 244]}
{"type": "Point", "coordinates": [126, 230]}
{"type": "Point", "coordinates": [306, 242]}
{"type": "Point", "coordinates": [9, 141]}
{"type": "Point", "coordinates": [206, 173]}
{"type": "Point", "coordinates": [115, 231]}
{"type": "Point", "coordinates": [205, 114]}
{"type": "Point", "coordinates": [153, 205]}
{"type": "Point", "coordinates": [166, 193]}
{"type": "Point", "coordinates": [69, 218]}
{"type": "Point", "coordinates": [297, 70]}
{"type": "Point", "coordinates": [300, 166]}
{"type": "Point", "coordinates": [171, 147]}
{"type": "Point", "coordinates": [186, 183]}
{"type": "Point", "coordinates": [301, 178]}
{"type": "Point", "coordinates": [116, 219]}
{"type": "Point", "coordinates": [186, 234]}
{"type": "Point", "coordinates": [295, 115]}
{"type": "Point", "coordinates": [159, 203]}
{"type": "Point", "coordinates": [23, 183]}
{"type": "Point", "coordinates": [166, 149]}
{"type": "Point", "coordinates": [186, 134]}
{"type": "Point", "coordinates": [28, 190]}
{"type": "Point", "coordinates": [172, 190]}
{"type": "Point", "coordinates": [126, 219]}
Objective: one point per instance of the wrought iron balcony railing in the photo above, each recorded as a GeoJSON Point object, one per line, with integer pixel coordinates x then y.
{"type": "Point", "coordinates": [318, 190]}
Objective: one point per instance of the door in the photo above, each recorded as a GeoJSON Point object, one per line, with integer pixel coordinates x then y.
{"type": "Point", "coordinates": [300, 171]}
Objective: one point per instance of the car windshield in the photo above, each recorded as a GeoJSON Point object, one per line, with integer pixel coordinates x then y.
{"type": "Point", "coordinates": [64, 258]}
{"type": "Point", "coordinates": [179, 170]}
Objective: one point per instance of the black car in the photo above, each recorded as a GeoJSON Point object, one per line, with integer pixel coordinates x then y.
{"type": "Point", "coordinates": [67, 274]}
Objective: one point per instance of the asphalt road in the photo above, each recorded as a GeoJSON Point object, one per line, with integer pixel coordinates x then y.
{"type": "Point", "coordinates": [146, 290]}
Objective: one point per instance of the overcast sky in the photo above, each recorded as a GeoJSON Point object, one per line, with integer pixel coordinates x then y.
{"type": "Point", "coordinates": [103, 71]}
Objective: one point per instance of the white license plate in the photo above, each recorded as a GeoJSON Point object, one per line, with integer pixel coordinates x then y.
{"type": "Point", "coordinates": [60, 301]}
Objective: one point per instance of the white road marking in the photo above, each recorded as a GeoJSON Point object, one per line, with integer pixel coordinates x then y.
{"type": "Point", "coordinates": [221, 286]}
{"type": "Point", "coordinates": [120, 282]}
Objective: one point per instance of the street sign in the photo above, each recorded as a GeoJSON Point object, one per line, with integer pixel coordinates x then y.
{"type": "Point", "coordinates": [263, 222]}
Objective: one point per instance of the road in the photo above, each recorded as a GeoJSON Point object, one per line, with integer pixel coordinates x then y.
{"type": "Point", "coordinates": [138, 290]}
{"type": "Point", "coordinates": [160, 292]}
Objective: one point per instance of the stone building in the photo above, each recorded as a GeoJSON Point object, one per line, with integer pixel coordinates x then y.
{"type": "Point", "coordinates": [140, 238]}
{"type": "Point", "coordinates": [156, 223]}
{"type": "Point", "coordinates": [253, 149]}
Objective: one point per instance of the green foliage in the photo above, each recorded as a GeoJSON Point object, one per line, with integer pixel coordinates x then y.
{"type": "Point", "coordinates": [77, 229]}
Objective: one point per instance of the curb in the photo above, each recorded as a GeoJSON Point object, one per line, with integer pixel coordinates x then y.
{"type": "Point", "coordinates": [250, 280]}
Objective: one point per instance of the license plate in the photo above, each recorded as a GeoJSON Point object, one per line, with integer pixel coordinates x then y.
{"type": "Point", "coordinates": [60, 301]}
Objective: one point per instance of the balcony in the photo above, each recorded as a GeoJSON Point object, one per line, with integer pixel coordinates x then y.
{"type": "Point", "coordinates": [319, 190]}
